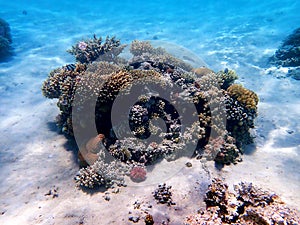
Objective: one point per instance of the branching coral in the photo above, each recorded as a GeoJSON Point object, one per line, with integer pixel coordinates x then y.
{"type": "Point", "coordinates": [143, 51]}
{"type": "Point", "coordinates": [248, 205]}
{"type": "Point", "coordinates": [89, 50]}
{"type": "Point", "coordinates": [221, 112]}
{"type": "Point", "coordinates": [102, 173]}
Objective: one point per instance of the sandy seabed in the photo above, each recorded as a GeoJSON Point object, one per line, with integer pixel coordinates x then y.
{"type": "Point", "coordinates": [38, 164]}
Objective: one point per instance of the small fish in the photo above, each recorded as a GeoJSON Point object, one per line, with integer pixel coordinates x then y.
{"type": "Point", "coordinates": [70, 67]}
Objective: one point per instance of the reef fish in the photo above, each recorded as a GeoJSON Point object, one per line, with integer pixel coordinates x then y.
{"type": "Point", "coordinates": [70, 67]}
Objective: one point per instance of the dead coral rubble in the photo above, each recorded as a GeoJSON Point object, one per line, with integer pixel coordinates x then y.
{"type": "Point", "coordinates": [225, 111]}
{"type": "Point", "coordinates": [248, 205]}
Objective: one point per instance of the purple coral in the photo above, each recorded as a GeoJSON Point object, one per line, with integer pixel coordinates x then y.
{"type": "Point", "coordinates": [82, 45]}
{"type": "Point", "coordinates": [138, 174]}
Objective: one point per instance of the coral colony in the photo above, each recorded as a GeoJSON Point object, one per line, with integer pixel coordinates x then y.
{"type": "Point", "coordinates": [288, 55]}
{"type": "Point", "coordinates": [246, 205]}
{"type": "Point", "coordinates": [5, 39]}
{"type": "Point", "coordinates": [101, 73]}
{"type": "Point", "coordinates": [225, 113]}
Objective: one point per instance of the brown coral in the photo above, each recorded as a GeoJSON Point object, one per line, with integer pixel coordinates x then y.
{"type": "Point", "coordinates": [89, 50]}
{"type": "Point", "coordinates": [247, 98]}
{"type": "Point", "coordinates": [249, 205]}
{"type": "Point", "coordinates": [201, 71]}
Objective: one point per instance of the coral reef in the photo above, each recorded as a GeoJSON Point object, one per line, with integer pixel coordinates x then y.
{"type": "Point", "coordinates": [5, 39]}
{"type": "Point", "coordinates": [224, 111]}
{"type": "Point", "coordinates": [248, 205]}
{"type": "Point", "coordinates": [163, 194]}
{"type": "Point", "coordinates": [288, 55]}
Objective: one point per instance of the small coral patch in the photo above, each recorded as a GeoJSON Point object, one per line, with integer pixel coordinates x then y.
{"type": "Point", "coordinates": [138, 174]}
{"type": "Point", "coordinates": [245, 97]}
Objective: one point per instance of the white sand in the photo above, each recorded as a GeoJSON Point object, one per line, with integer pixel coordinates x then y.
{"type": "Point", "coordinates": [35, 158]}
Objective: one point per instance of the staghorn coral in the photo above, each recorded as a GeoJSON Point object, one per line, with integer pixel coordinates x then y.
{"type": "Point", "coordinates": [5, 39]}
{"type": "Point", "coordinates": [61, 84]}
{"type": "Point", "coordinates": [138, 48]}
{"type": "Point", "coordinates": [245, 97]}
{"type": "Point", "coordinates": [247, 205]}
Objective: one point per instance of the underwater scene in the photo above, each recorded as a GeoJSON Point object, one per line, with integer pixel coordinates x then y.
{"type": "Point", "coordinates": [150, 112]}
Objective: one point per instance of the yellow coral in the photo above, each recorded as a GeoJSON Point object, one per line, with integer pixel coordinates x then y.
{"type": "Point", "coordinates": [202, 71]}
{"type": "Point", "coordinates": [245, 97]}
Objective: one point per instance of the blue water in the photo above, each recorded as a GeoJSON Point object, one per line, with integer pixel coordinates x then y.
{"type": "Point", "coordinates": [240, 35]}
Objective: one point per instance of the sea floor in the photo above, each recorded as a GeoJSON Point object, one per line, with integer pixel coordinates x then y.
{"type": "Point", "coordinates": [38, 163]}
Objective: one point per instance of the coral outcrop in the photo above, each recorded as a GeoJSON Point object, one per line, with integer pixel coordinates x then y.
{"type": "Point", "coordinates": [5, 39]}
{"type": "Point", "coordinates": [288, 55]}
{"type": "Point", "coordinates": [224, 111]}
{"type": "Point", "coordinates": [247, 205]}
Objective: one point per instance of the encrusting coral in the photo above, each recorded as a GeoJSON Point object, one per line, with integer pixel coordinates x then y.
{"type": "Point", "coordinates": [225, 111]}
{"type": "Point", "coordinates": [247, 205]}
